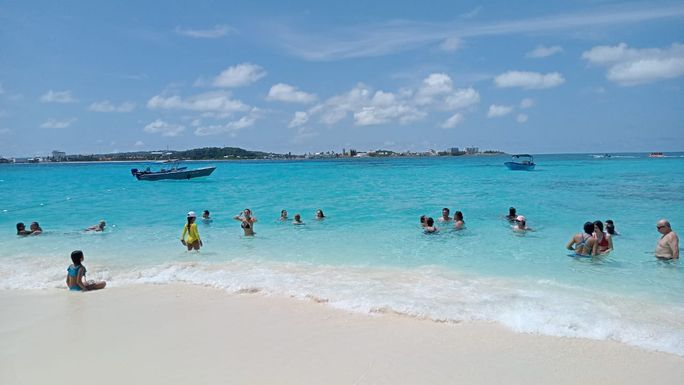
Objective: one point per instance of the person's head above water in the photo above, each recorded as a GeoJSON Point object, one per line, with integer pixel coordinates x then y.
{"type": "Point", "coordinates": [430, 222]}
{"type": "Point", "coordinates": [610, 227]}
{"type": "Point", "coordinates": [598, 225]}
{"type": "Point", "coordinates": [283, 213]}
{"type": "Point", "coordinates": [247, 213]}
{"type": "Point", "coordinates": [35, 226]}
{"type": "Point", "coordinates": [191, 217]}
{"type": "Point", "coordinates": [77, 257]}
{"type": "Point", "coordinates": [588, 228]}
{"type": "Point", "coordinates": [512, 212]}
{"type": "Point", "coordinates": [102, 224]}
{"type": "Point", "coordinates": [663, 226]}
{"type": "Point", "coordinates": [319, 214]}
{"type": "Point", "coordinates": [298, 218]}
{"type": "Point", "coordinates": [21, 227]}
{"type": "Point", "coordinates": [521, 220]}
{"type": "Point", "coordinates": [445, 212]}
{"type": "Point", "coordinates": [205, 214]}
{"type": "Point", "coordinates": [458, 216]}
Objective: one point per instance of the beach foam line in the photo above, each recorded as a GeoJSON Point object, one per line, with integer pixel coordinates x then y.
{"type": "Point", "coordinates": [526, 306]}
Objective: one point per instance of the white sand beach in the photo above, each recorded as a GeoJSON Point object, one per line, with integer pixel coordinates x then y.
{"type": "Point", "coordinates": [182, 334]}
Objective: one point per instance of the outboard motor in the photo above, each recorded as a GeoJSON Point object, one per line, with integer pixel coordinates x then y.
{"type": "Point", "coordinates": [134, 171]}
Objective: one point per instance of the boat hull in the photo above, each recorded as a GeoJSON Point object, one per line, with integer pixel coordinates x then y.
{"type": "Point", "coordinates": [519, 166]}
{"type": "Point", "coordinates": [175, 175]}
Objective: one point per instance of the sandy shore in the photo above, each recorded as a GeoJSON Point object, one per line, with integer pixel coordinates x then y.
{"type": "Point", "coordinates": [193, 335]}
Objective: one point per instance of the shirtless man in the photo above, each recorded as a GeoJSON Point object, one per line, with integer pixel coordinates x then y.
{"type": "Point", "coordinates": [668, 245]}
{"type": "Point", "coordinates": [98, 227]}
{"type": "Point", "coordinates": [445, 215]}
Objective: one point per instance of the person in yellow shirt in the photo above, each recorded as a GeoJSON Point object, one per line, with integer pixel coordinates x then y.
{"type": "Point", "coordinates": [193, 241]}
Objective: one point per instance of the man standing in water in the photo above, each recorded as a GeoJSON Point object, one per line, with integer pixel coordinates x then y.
{"type": "Point", "coordinates": [668, 245]}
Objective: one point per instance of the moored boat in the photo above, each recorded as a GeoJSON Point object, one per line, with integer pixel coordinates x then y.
{"type": "Point", "coordinates": [175, 172]}
{"type": "Point", "coordinates": [524, 162]}
{"type": "Point", "coordinates": [656, 155]}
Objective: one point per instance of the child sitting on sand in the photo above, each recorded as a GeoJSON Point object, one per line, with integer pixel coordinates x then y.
{"type": "Point", "coordinates": [76, 274]}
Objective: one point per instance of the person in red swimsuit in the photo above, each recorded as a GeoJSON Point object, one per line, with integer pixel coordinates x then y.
{"type": "Point", "coordinates": [605, 241]}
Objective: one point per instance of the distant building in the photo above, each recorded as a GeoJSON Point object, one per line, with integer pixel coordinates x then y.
{"type": "Point", "coordinates": [58, 156]}
{"type": "Point", "coordinates": [472, 150]}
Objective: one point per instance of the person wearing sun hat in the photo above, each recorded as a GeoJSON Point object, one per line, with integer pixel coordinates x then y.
{"type": "Point", "coordinates": [521, 224]}
{"type": "Point", "coordinates": [193, 241]}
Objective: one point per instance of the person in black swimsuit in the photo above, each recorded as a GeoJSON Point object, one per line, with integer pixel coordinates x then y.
{"type": "Point", "coordinates": [246, 221]}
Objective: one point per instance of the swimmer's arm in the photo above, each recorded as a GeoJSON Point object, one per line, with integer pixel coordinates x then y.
{"type": "Point", "coordinates": [594, 248]}
{"type": "Point", "coordinates": [571, 244]}
{"type": "Point", "coordinates": [79, 279]}
{"type": "Point", "coordinates": [610, 242]}
{"type": "Point", "coordinates": [185, 230]}
{"type": "Point", "coordinates": [674, 246]}
{"type": "Point", "coordinates": [238, 217]}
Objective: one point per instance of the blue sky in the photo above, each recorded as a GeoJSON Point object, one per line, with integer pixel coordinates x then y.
{"type": "Point", "coordinates": [582, 76]}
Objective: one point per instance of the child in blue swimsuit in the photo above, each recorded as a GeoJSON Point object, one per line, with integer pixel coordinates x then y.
{"type": "Point", "coordinates": [76, 274]}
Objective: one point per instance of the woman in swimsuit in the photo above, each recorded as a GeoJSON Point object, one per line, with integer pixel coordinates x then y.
{"type": "Point", "coordinates": [459, 223]}
{"type": "Point", "coordinates": [320, 215]}
{"type": "Point", "coordinates": [193, 241]}
{"type": "Point", "coordinates": [283, 215]}
{"type": "Point", "coordinates": [605, 241]}
{"type": "Point", "coordinates": [76, 273]}
{"type": "Point", "coordinates": [584, 243]}
{"type": "Point", "coordinates": [21, 229]}
{"type": "Point", "coordinates": [246, 221]}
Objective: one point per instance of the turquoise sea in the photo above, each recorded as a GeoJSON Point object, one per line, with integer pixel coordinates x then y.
{"type": "Point", "coordinates": [370, 254]}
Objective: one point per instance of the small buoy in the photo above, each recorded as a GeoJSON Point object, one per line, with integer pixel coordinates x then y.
{"type": "Point", "coordinates": [42, 204]}
{"type": "Point", "coordinates": [68, 198]}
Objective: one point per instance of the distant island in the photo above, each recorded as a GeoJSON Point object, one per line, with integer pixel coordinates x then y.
{"type": "Point", "coordinates": [236, 153]}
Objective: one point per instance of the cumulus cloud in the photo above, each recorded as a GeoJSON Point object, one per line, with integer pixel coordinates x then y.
{"type": "Point", "coordinates": [300, 118]}
{"type": "Point", "coordinates": [453, 121]}
{"type": "Point", "coordinates": [543, 51]}
{"type": "Point", "coordinates": [529, 80]}
{"type": "Point", "coordinates": [107, 106]}
{"type": "Point", "coordinates": [521, 118]}
{"type": "Point", "coordinates": [630, 66]}
{"type": "Point", "coordinates": [462, 98]}
{"type": "Point", "coordinates": [57, 97]}
{"type": "Point", "coordinates": [54, 123]}
{"type": "Point", "coordinates": [231, 127]}
{"type": "Point", "coordinates": [139, 143]}
{"type": "Point", "coordinates": [527, 103]}
{"type": "Point", "coordinates": [220, 102]}
{"type": "Point", "coordinates": [451, 44]}
{"type": "Point", "coordinates": [496, 111]}
{"type": "Point", "coordinates": [165, 129]}
{"type": "Point", "coordinates": [211, 33]}
{"type": "Point", "coordinates": [287, 93]}
{"type": "Point", "coordinates": [434, 85]}
{"type": "Point", "coordinates": [237, 76]}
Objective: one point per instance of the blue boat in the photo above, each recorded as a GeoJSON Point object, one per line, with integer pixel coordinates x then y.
{"type": "Point", "coordinates": [174, 172]}
{"type": "Point", "coordinates": [524, 162]}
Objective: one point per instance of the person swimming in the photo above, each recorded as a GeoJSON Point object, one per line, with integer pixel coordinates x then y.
{"type": "Point", "coordinates": [320, 215]}
{"type": "Point", "coordinates": [193, 242]}
{"type": "Point", "coordinates": [98, 227]}
{"type": "Point", "coordinates": [430, 227]}
{"type": "Point", "coordinates": [246, 221]}
{"type": "Point", "coordinates": [21, 229]}
{"type": "Point", "coordinates": [297, 220]}
{"type": "Point", "coordinates": [35, 229]}
{"type": "Point", "coordinates": [459, 223]}
{"type": "Point", "coordinates": [584, 243]}
{"type": "Point", "coordinates": [205, 217]}
{"type": "Point", "coordinates": [423, 221]}
{"type": "Point", "coordinates": [521, 224]}
{"type": "Point", "coordinates": [605, 241]}
{"type": "Point", "coordinates": [445, 215]}
{"type": "Point", "coordinates": [512, 215]}
{"type": "Point", "coordinates": [76, 274]}
{"type": "Point", "coordinates": [610, 228]}
{"type": "Point", "coordinates": [283, 215]}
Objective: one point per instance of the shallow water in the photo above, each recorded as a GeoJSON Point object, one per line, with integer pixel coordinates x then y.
{"type": "Point", "coordinates": [369, 254]}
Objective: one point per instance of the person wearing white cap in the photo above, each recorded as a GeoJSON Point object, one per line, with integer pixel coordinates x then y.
{"type": "Point", "coordinates": [521, 224]}
{"type": "Point", "coordinates": [193, 241]}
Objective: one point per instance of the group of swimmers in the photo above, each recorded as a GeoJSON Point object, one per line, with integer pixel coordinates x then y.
{"type": "Point", "coordinates": [35, 228]}
{"type": "Point", "coordinates": [190, 236]}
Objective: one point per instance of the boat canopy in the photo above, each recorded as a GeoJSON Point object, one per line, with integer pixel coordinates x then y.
{"type": "Point", "coordinates": [522, 156]}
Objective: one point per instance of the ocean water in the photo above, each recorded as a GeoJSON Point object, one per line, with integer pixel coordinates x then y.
{"type": "Point", "coordinates": [369, 255]}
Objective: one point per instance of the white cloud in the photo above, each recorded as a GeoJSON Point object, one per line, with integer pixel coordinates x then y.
{"type": "Point", "coordinates": [107, 106]}
{"type": "Point", "coordinates": [453, 121]}
{"type": "Point", "coordinates": [139, 143]}
{"type": "Point", "coordinates": [435, 84]}
{"type": "Point", "coordinates": [543, 51]}
{"type": "Point", "coordinates": [165, 129]}
{"type": "Point", "coordinates": [300, 118]}
{"type": "Point", "coordinates": [211, 33]}
{"type": "Point", "coordinates": [521, 118]}
{"type": "Point", "coordinates": [462, 98]}
{"type": "Point", "coordinates": [529, 80]}
{"type": "Point", "coordinates": [57, 97]}
{"type": "Point", "coordinates": [496, 111]}
{"type": "Point", "coordinates": [231, 127]}
{"type": "Point", "coordinates": [630, 66]}
{"type": "Point", "coordinates": [287, 93]}
{"type": "Point", "coordinates": [527, 103]}
{"type": "Point", "coordinates": [451, 44]}
{"type": "Point", "coordinates": [54, 123]}
{"type": "Point", "coordinates": [237, 76]}
{"type": "Point", "coordinates": [207, 102]}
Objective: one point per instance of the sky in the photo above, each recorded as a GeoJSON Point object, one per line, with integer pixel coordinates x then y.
{"type": "Point", "coordinates": [586, 76]}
